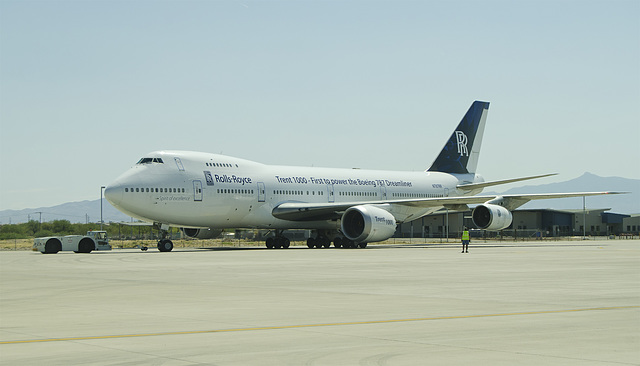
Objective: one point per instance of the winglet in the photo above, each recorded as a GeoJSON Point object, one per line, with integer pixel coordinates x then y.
{"type": "Point", "coordinates": [460, 153]}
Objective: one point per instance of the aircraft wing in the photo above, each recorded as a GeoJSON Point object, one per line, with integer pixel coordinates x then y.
{"type": "Point", "coordinates": [513, 201]}
{"type": "Point", "coordinates": [304, 211]}
{"type": "Point", "coordinates": [482, 185]}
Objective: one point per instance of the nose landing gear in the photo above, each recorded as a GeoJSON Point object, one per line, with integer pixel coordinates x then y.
{"type": "Point", "coordinates": [164, 244]}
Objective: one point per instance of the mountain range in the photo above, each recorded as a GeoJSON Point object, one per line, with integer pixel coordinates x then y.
{"type": "Point", "coordinates": [75, 212]}
{"type": "Point", "coordinates": [89, 211]}
{"type": "Point", "coordinates": [623, 203]}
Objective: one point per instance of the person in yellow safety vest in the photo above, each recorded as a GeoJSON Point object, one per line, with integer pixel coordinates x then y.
{"type": "Point", "coordinates": [465, 240]}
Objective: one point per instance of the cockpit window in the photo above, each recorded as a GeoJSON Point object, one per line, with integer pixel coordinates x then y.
{"type": "Point", "coordinates": [150, 160]}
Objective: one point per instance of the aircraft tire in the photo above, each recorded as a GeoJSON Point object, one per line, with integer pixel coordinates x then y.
{"type": "Point", "coordinates": [322, 241]}
{"type": "Point", "coordinates": [337, 242]}
{"type": "Point", "coordinates": [286, 243]}
{"type": "Point", "coordinates": [311, 242]}
{"type": "Point", "coordinates": [270, 243]}
{"type": "Point", "coordinates": [362, 245]}
{"type": "Point", "coordinates": [165, 245]}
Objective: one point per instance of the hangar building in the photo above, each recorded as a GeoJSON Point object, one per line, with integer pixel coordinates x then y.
{"type": "Point", "coordinates": [533, 222]}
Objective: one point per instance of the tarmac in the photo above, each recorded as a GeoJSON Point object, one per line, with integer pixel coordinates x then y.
{"type": "Point", "coordinates": [559, 303]}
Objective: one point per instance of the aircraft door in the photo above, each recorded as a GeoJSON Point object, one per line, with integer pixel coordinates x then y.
{"type": "Point", "coordinates": [179, 164]}
{"type": "Point", "coordinates": [330, 194]}
{"type": "Point", "coordinates": [383, 191]}
{"type": "Point", "coordinates": [197, 190]}
{"type": "Point", "coordinates": [262, 192]}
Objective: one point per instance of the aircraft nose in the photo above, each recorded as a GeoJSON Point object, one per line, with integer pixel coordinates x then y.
{"type": "Point", "coordinates": [113, 193]}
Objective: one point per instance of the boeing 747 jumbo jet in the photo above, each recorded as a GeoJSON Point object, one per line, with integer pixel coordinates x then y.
{"type": "Point", "coordinates": [206, 193]}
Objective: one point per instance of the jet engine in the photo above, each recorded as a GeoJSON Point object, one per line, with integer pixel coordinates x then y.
{"type": "Point", "coordinates": [366, 223]}
{"type": "Point", "coordinates": [491, 217]}
{"type": "Point", "coordinates": [201, 233]}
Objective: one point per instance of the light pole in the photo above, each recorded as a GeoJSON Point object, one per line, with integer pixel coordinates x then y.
{"type": "Point", "coordinates": [446, 194]}
{"type": "Point", "coordinates": [101, 221]}
{"type": "Point", "coordinates": [40, 226]}
{"type": "Point", "coordinates": [584, 218]}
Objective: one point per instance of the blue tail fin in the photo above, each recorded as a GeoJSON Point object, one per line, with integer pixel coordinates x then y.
{"type": "Point", "coordinates": [460, 154]}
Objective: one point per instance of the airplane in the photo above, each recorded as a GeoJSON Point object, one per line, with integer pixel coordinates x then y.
{"type": "Point", "coordinates": [204, 194]}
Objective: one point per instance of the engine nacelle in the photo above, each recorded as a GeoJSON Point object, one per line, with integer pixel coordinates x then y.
{"type": "Point", "coordinates": [201, 233]}
{"type": "Point", "coordinates": [366, 223]}
{"type": "Point", "coordinates": [491, 217]}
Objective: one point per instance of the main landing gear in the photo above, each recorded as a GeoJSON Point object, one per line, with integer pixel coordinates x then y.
{"type": "Point", "coordinates": [319, 241]}
{"type": "Point", "coordinates": [322, 241]}
{"type": "Point", "coordinates": [279, 241]}
{"type": "Point", "coordinates": [339, 242]}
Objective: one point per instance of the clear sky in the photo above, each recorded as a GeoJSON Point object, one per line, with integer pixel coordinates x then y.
{"type": "Point", "coordinates": [89, 87]}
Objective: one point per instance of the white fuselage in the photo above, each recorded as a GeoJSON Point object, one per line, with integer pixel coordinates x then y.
{"type": "Point", "coordinates": [198, 190]}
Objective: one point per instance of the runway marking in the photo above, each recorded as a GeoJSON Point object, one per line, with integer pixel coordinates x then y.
{"type": "Point", "coordinates": [279, 327]}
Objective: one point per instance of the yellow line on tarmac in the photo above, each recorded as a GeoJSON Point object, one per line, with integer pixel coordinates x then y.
{"type": "Point", "coordinates": [277, 327]}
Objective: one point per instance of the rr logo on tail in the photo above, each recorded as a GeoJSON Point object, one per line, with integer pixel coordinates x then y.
{"type": "Point", "coordinates": [461, 140]}
{"type": "Point", "coordinates": [460, 153]}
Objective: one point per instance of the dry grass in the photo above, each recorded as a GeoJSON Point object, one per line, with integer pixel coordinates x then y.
{"type": "Point", "coordinates": [27, 244]}
{"type": "Point", "coordinates": [16, 244]}
{"type": "Point", "coordinates": [185, 243]}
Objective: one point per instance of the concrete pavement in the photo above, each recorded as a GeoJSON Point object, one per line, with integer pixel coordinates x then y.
{"type": "Point", "coordinates": [561, 303]}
